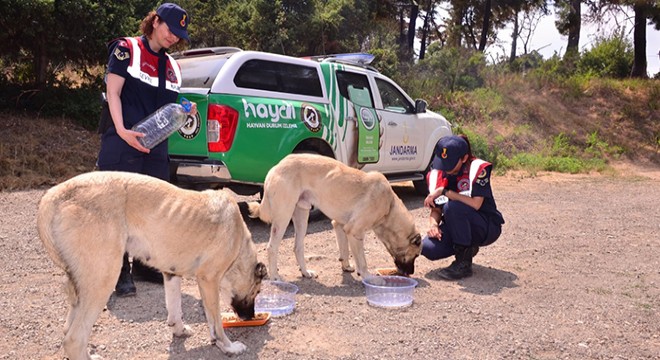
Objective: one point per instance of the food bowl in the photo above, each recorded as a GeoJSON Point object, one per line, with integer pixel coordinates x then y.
{"type": "Point", "coordinates": [276, 297]}
{"type": "Point", "coordinates": [389, 291]}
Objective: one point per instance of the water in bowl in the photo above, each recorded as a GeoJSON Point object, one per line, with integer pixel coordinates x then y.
{"type": "Point", "coordinates": [276, 305]}
{"type": "Point", "coordinates": [390, 300]}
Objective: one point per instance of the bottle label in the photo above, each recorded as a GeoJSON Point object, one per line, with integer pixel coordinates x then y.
{"type": "Point", "coordinates": [161, 120]}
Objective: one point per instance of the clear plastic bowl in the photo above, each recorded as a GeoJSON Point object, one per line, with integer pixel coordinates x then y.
{"type": "Point", "coordinates": [276, 297]}
{"type": "Point", "coordinates": [389, 291]}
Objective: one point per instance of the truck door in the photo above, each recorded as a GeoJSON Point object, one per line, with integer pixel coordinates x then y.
{"type": "Point", "coordinates": [403, 132]}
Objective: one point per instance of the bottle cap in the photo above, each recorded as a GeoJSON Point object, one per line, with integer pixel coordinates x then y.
{"type": "Point", "coordinates": [186, 104]}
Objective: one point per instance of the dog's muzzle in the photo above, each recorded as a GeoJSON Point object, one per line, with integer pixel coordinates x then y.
{"type": "Point", "coordinates": [407, 268]}
{"type": "Point", "coordinates": [243, 308]}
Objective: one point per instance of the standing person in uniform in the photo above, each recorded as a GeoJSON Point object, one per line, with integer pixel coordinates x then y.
{"type": "Point", "coordinates": [464, 215]}
{"type": "Point", "coordinates": [141, 77]}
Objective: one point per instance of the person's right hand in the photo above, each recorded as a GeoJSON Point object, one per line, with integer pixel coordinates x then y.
{"type": "Point", "coordinates": [131, 138]}
{"type": "Point", "coordinates": [429, 201]}
{"type": "Point", "coordinates": [434, 232]}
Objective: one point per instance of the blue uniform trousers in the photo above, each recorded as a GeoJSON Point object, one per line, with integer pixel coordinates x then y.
{"type": "Point", "coordinates": [117, 155]}
{"type": "Point", "coordinates": [461, 225]}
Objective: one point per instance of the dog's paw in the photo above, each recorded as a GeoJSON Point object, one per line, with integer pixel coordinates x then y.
{"type": "Point", "coordinates": [348, 268]}
{"type": "Point", "coordinates": [182, 331]}
{"type": "Point", "coordinates": [234, 348]}
{"type": "Point", "coordinates": [96, 357]}
{"type": "Point", "coordinates": [310, 274]}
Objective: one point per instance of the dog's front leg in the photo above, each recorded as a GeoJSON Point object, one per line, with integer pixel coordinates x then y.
{"type": "Point", "coordinates": [209, 290]}
{"type": "Point", "coordinates": [300, 220]}
{"type": "Point", "coordinates": [357, 248]}
{"type": "Point", "coordinates": [172, 285]}
{"type": "Point", "coordinates": [342, 243]}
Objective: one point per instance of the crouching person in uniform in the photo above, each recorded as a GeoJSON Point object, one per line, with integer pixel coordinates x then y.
{"type": "Point", "coordinates": [464, 215]}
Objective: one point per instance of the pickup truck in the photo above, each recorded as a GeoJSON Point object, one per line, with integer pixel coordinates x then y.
{"type": "Point", "coordinates": [254, 108]}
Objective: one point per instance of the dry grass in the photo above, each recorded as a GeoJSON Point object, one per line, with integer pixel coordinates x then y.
{"type": "Point", "coordinates": [40, 152]}
{"type": "Point", "coordinates": [515, 115]}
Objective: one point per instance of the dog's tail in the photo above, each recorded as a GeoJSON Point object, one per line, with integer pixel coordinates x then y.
{"type": "Point", "coordinates": [259, 210]}
{"type": "Point", "coordinates": [45, 216]}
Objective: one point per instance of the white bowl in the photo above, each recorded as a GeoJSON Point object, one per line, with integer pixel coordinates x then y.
{"type": "Point", "coordinates": [389, 291]}
{"type": "Point", "coordinates": [276, 297]}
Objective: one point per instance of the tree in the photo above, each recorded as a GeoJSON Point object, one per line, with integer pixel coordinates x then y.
{"type": "Point", "coordinates": [569, 23]}
{"type": "Point", "coordinates": [49, 33]}
{"type": "Point", "coordinates": [643, 10]}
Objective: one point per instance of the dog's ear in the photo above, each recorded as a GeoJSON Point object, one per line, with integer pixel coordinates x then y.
{"type": "Point", "coordinates": [260, 271]}
{"type": "Point", "coordinates": [416, 240]}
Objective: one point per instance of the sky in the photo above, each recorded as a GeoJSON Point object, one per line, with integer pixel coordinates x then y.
{"type": "Point", "coordinates": [547, 40]}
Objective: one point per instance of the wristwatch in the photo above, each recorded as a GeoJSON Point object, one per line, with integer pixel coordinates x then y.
{"type": "Point", "coordinates": [444, 191]}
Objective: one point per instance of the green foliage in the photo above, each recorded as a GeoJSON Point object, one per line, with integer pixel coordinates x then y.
{"type": "Point", "coordinates": [609, 57]}
{"type": "Point", "coordinates": [599, 148]}
{"type": "Point", "coordinates": [451, 69]}
{"type": "Point", "coordinates": [527, 62]}
{"type": "Point", "coordinates": [536, 162]}
{"type": "Point", "coordinates": [480, 146]}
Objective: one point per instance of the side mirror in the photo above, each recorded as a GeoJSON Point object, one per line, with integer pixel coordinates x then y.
{"type": "Point", "coordinates": [420, 106]}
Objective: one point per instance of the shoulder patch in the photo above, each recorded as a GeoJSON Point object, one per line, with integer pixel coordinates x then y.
{"type": "Point", "coordinates": [121, 55]}
{"type": "Point", "coordinates": [482, 174]}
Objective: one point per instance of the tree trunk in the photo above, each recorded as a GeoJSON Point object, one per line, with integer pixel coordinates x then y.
{"type": "Point", "coordinates": [639, 42]}
{"type": "Point", "coordinates": [486, 25]}
{"type": "Point", "coordinates": [575, 23]}
{"type": "Point", "coordinates": [425, 30]}
{"type": "Point", "coordinates": [514, 38]}
{"type": "Point", "coordinates": [412, 29]}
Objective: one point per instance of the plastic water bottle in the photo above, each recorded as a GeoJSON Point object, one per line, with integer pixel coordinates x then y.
{"type": "Point", "coordinates": [162, 123]}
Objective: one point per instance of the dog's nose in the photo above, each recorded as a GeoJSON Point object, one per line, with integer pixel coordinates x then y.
{"type": "Point", "coordinates": [405, 268]}
{"type": "Point", "coordinates": [244, 309]}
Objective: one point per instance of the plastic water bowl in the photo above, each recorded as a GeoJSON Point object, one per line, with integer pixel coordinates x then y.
{"type": "Point", "coordinates": [276, 297]}
{"type": "Point", "coordinates": [389, 291]}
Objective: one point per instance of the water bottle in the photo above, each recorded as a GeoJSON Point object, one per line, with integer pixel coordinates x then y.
{"type": "Point", "coordinates": [162, 123]}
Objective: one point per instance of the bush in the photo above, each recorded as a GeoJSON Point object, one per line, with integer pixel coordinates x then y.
{"type": "Point", "coordinates": [609, 57]}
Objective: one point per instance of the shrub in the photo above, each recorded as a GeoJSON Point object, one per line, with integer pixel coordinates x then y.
{"type": "Point", "coordinates": [609, 57]}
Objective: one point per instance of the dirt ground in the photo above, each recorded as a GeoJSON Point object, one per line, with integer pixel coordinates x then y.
{"type": "Point", "coordinates": [575, 275]}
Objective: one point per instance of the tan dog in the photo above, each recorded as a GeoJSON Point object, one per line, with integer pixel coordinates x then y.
{"type": "Point", "coordinates": [88, 222]}
{"type": "Point", "coordinates": [355, 201]}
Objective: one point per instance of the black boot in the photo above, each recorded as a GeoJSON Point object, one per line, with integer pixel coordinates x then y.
{"type": "Point", "coordinates": [125, 286]}
{"type": "Point", "coordinates": [143, 272]}
{"type": "Point", "coordinates": [462, 266]}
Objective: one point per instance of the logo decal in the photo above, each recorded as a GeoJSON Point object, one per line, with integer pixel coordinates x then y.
{"type": "Point", "coordinates": [367, 118]}
{"type": "Point", "coordinates": [121, 55]}
{"type": "Point", "coordinates": [311, 117]}
{"type": "Point", "coordinates": [444, 153]}
{"type": "Point", "coordinates": [183, 21]}
{"type": "Point", "coordinates": [191, 128]}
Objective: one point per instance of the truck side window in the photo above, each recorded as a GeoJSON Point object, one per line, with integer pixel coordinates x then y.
{"type": "Point", "coordinates": [279, 77]}
{"type": "Point", "coordinates": [359, 84]}
{"type": "Point", "coordinates": [393, 99]}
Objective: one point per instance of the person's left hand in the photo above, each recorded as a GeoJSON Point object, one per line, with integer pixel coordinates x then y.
{"type": "Point", "coordinates": [193, 108]}
{"type": "Point", "coordinates": [429, 201]}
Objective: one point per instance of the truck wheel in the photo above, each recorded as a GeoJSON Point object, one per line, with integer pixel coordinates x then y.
{"type": "Point", "coordinates": [421, 187]}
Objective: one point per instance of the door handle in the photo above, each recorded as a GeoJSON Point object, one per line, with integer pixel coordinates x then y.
{"type": "Point", "coordinates": [392, 123]}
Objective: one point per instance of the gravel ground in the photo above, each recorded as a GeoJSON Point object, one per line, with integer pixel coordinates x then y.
{"type": "Point", "coordinates": [575, 275]}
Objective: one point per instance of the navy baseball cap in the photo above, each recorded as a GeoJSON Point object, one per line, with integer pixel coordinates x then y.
{"type": "Point", "coordinates": [176, 19]}
{"type": "Point", "coordinates": [448, 152]}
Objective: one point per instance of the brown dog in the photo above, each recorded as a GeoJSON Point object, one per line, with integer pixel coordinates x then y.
{"type": "Point", "coordinates": [355, 201]}
{"type": "Point", "coordinates": [88, 222]}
